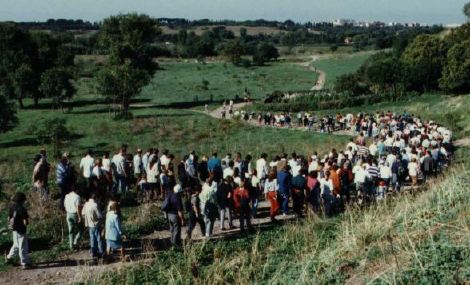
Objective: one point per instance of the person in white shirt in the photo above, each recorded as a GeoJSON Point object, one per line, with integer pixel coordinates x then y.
{"type": "Point", "coordinates": [138, 164]}
{"type": "Point", "coordinates": [86, 167]}
{"type": "Point", "coordinates": [385, 173]}
{"type": "Point", "coordinates": [72, 204]}
{"type": "Point", "coordinates": [413, 169]}
{"type": "Point", "coordinates": [106, 162]}
{"type": "Point", "coordinates": [93, 218]}
{"type": "Point", "coordinates": [326, 193]}
{"type": "Point", "coordinates": [262, 169]}
{"type": "Point", "coordinates": [228, 171]}
{"type": "Point", "coordinates": [165, 159]}
{"type": "Point", "coordinates": [373, 149]}
{"type": "Point", "coordinates": [119, 170]}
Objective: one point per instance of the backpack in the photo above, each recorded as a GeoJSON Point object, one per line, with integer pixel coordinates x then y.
{"type": "Point", "coordinates": [12, 221]}
{"type": "Point", "coordinates": [401, 170]}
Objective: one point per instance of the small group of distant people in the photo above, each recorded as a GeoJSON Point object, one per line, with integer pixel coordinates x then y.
{"type": "Point", "coordinates": [389, 151]}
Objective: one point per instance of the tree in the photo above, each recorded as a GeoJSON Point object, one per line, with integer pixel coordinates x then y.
{"type": "Point", "coordinates": [131, 63]}
{"type": "Point", "coordinates": [23, 83]}
{"type": "Point", "coordinates": [52, 131]}
{"type": "Point", "coordinates": [8, 117]}
{"type": "Point", "coordinates": [349, 83]}
{"type": "Point", "coordinates": [466, 10]}
{"type": "Point", "coordinates": [424, 59]}
{"type": "Point", "coordinates": [265, 52]}
{"type": "Point", "coordinates": [120, 83]}
{"type": "Point", "coordinates": [234, 51]}
{"type": "Point", "coordinates": [384, 72]}
{"type": "Point", "coordinates": [456, 75]}
{"type": "Point", "coordinates": [25, 56]}
{"type": "Point", "coordinates": [56, 84]}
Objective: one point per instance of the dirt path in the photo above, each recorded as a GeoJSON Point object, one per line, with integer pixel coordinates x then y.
{"type": "Point", "coordinates": [217, 114]}
{"type": "Point", "coordinates": [78, 267]}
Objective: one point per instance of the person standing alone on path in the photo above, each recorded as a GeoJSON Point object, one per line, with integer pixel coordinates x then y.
{"type": "Point", "coordinates": [17, 222]}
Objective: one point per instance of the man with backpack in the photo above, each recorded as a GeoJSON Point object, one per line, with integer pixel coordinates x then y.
{"type": "Point", "coordinates": [17, 222]}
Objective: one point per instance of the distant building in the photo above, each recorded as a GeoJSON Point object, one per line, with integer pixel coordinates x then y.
{"type": "Point", "coordinates": [343, 22]}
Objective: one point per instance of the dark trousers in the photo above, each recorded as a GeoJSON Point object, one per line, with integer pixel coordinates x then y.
{"type": "Point", "coordinates": [193, 221]}
{"type": "Point", "coordinates": [298, 202]}
{"type": "Point", "coordinates": [175, 229]}
{"type": "Point", "coordinates": [245, 218]}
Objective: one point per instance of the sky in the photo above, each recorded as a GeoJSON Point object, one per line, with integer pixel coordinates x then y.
{"type": "Point", "coordinates": [422, 11]}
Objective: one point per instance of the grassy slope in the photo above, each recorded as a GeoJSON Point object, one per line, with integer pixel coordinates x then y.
{"type": "Point", "coordinates": [339, 65]}
{"type": "Point", "coordinates": [182, 82]}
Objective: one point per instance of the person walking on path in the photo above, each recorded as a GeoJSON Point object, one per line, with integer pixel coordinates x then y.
{"type": "Point", "coordinates": [93, 217]}
{"type": "Point", "coordinates": [175, 214]}
{"type": "Point", "coordinates": [86, 168]}
{"type": "Point", "coordinates": [193, 207]}
{"type": "Point", "coordinates": [241, 205]}
{"type": "Point", "coordinates": [113, 230]}
{"type": "Point", "coordinates": [41, 176]}
{"type": "Point", "coordinates": [63, 178]}
{"type": "Point", "coordinates": [271, 191]}
{"type": "Point", "coordinates": [224, 199]}
{"type": "Point", "coordinates": [299, 185]}
{"type": "Point", "coordinates": [18, 221]}
{"type": "Point", "coordinates": [284, 179]}
{"type": "Point", "coordinates": [72, 208]}
{"type": "Point", "coordinates": [209, 205]}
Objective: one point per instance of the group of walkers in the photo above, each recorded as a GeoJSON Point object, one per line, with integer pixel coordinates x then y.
{"type": "Point", "coordinates": [401, 148]}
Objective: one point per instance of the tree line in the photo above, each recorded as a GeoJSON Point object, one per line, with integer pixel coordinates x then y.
{"type": "Point", "coordinates": [422, 63]}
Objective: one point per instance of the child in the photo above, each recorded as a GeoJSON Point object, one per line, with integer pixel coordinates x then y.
{"type": "Point", "coordinates": [144, 188]}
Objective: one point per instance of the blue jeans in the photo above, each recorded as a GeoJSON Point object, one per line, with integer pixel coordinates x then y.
{"type": "Point", "coordinates": [285, 203]}
{"type": "Point", "coordinates": [96, 244]}
{"type": "Point", "coordinates": [120, 184]}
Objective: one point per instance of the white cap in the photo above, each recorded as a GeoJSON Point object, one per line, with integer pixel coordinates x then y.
{"type": "Point", "coordinates": [177, 189]}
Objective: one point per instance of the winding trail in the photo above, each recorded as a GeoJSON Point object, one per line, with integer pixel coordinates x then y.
{"type": "Point", "coordinates": [320, 84]}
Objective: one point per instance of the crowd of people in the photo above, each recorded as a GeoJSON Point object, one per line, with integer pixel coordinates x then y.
{"type": "Point", "coordinates": [388, 151]}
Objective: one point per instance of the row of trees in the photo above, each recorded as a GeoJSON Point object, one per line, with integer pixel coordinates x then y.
{"type": "Point", "coordinates": [427, 63]}
{"type": "Point", "coordinates": [34, 65]}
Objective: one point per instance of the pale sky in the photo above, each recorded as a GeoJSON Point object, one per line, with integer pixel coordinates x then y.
{"type": "Point", "coordinates": [422, 11]}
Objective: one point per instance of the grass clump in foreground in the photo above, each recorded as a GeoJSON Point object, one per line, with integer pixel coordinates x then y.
{"type": "Point", "coordinates": [409, 239]}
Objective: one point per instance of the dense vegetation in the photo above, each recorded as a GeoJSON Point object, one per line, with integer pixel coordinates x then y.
{"type": "Point", "coordinates": [428, 63]}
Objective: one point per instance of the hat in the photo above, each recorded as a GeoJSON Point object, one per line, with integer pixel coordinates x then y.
{"type": "Point", "coordinates": [177, 189]}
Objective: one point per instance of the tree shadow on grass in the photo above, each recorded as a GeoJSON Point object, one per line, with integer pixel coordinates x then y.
{"type": "Point", "coordinates": [19, 142]}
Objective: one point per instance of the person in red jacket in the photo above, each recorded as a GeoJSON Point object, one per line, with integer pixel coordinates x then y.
{"type": "Point", "coordinates": [241, 204]}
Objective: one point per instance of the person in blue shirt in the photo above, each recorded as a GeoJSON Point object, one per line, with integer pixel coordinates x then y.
{"type": "Point", "coordinates": [113, 231]}
{"type": "Point", "coordinates": [63, 178]}
{"type": "Point", "coordinates": [284, 179]}
{"type": "Point", "coordinates": [214, 165]}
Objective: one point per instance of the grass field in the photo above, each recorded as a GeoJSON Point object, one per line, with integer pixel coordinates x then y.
{"type": "Point", "coordinates": [336, 66]}
{"type": "Point", "coordinates": [183, 82]}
